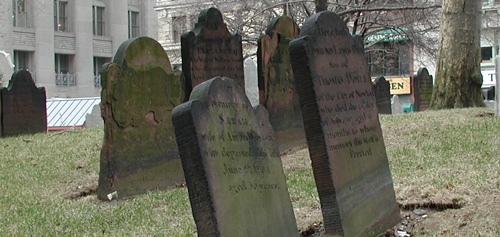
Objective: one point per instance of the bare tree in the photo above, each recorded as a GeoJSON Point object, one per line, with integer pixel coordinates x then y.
{"type": "Point", "coordinates": [458, 76]}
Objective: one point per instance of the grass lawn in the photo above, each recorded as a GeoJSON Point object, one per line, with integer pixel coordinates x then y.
{"type": "Point", "coordinates": [446, 161]}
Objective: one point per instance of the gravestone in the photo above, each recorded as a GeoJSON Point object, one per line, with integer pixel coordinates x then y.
{"type": "Point", "coordinates": [209, 50]}
{"type": "Point", "coordinates": [251, 88]}
{"type": "Point", "coordinates": [382, 89]}
{"type": "Point", "coordinates": [276, 87]}
{"type": "Point", "coordinates": [23, 106]}
{"type": "Point", "coordinates": [422, 89]}
{"type": "Point", "coordinates": [396, 106]}
{"type": "Point", "coordinates": [94, 119]}
{"type": "Point", "coordinates": [345, 140]}
{"type": "Point", "coordinates": [139, 91]}
{"type": "Point", "coordinates": [231, 163]}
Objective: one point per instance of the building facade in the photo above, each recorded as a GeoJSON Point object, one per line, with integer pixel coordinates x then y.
{"type": "Point", "coordinates": [63, 43]}
{"type": "Point", "coordinates": [490, 33]}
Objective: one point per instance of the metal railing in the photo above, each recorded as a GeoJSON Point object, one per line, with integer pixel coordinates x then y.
{"type": "Point", "coordinates": [65, 79]}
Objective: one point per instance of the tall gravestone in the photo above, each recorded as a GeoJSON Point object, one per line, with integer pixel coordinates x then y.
{"type": "Point", "coordinates": [23, 106]}
{"type": "Point", "coordinates": [276, 87]}
{"type": "Point", "coordinates": [345, 140]}
{"type": "Point", "coordinates": [210, 50]}
{"type": "Point", "coordinates": [422, 89]}
{"type": "Point", "coordinates": [382, 89]}
{"type": "Point", "coordinates": [231, 163]}
{"type": "Point", "coordinates": [139, 91]}
{"type": "Point", "coordinates": [251, 88]}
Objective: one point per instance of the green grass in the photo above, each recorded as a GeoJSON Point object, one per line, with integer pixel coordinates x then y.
{"type": "Point", "coordinates": [435, 156]}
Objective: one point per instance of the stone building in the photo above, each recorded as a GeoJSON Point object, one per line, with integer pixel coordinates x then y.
{"type": "Point", "coordinates": [63, 43]}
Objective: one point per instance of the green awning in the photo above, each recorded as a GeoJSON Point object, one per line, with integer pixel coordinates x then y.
{"type": "Point", "coordinates": [387, 36]}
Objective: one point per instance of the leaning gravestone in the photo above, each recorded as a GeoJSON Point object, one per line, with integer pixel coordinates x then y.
{"type": "Point", "coordinates": [231, 162]}
{"type": "Point", "coordinates": [276, 87]}
{"type": "Point", "coordinates": [422, 89]}
{"type": "Point", "coordinates": [345, 141]}
{"type": "Point", "coordinates": [210, 50]}
{"type": "Point", "coordinates": [23, 106]}
{"type": "Point", "coordinates": [139, 91]}
{"type": "Point", "coordinates": [382, 89]}
{"type": "Point", "coordinates": [251, 88]}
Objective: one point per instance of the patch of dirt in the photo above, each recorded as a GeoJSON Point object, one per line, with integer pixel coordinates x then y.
{"type": "Point", "coordinates": [80, 192]}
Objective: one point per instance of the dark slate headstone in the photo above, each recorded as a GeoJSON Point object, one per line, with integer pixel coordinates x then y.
{"type": "Point", "coordinates": [276, 87]}
{"type": "Point", "coordinates": [139, 91]}
{"type": "Point", "coordinates": [422, 89]}
{"type": "Point", "coordinates": [209, 50]}
{"type": "Point", "coordinates": [382, 89]}
{"type": "Point", "coordinates": [23, 109]}
{"type": "Point", "coordinates": [343, 132]}
{"type": "Point", "coordinates": [231, 163]}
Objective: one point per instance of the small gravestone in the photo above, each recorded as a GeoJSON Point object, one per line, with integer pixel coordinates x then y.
{"type": "Point", "coordinates": [382, 89]}
{"type": "Point", "coordinates": [396, 106]}
{"type": "Point", "coordinates": [232, 165]}
{"type": "Point", "coordinates": [422, 89]}
{"type": "Point", "coordinates": [276, 86]}
{"type": "Point", "coordinates": [251, 88]}
{"type": "Point", "coordinates": [209, 50]}
{"type": "Point", "coordinates": [94, 119]}
{"type": "Point", "coordinates": [139, 91]}
{"type": "Point", "coordinates": [345, 140]}
{"type": "Point", "coordinates": [23, 109]}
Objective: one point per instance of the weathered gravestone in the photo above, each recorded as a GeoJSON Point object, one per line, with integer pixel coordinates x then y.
{"type": "Point", "coordinates": [343, 131]}
{"type": "Point", "coordinates": [276, 87]}
{"type": "Point", "coordinates": [231, 163]}
{"type": "Point", "coordinates": [422, 89]}
{"type": "Point", "coordinates": [210, 50]}
{"type": "Point", "coordinates": [94, 119]}
{"type": "Point", "coordinates": [396, 106]}
{"type": "Point", "coordinates": [251, 88]}
{"type": "Point", "coordinates": [139, 91]}
{"type": "Point", "coordinates": [382, 89]}
{"type": "Point", "coordinates": [23, 106]}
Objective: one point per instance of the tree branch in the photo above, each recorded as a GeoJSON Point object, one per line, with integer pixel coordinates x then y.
{"type": "Point", "coordinates": [377, 9]}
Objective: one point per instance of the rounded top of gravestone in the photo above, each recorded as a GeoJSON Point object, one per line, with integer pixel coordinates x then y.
{"type": "Point", "coordinates": [21, 79]}
{"type": "Point", "coordinates": [380, 80]}
{"type": "Point", "coordinates": [142, 52]}
{"type": "Point", "coordinates": [284, 26]}
{"type": "Point", "coordinates": [211, 23]}
{"type": "Point", "coordinates": [317, 25]}
{"type": "Point", "coordinates": [423, 70]}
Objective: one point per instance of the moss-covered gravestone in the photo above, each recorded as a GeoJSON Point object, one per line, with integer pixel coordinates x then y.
{"type": "Point", "coordinates": [139, 91]}
{"type": "Point", "coordinates": [23, 106]}
{"type": "Point", "coordinates": [276, 86]}
{"type": "Point", "coordinates": [231, 163]}
{"type": "Point", "coordinates": [342, 128]}
{"type": "Point", "coordinates": [382, 89]}
{"type": "Point", "coordinates": [422, 89]}
{"type": "Point", "coordinates": [209, 50]}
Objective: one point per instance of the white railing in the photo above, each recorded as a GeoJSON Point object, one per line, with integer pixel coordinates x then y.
{"type": "Point", "coordinates": [65, 79]}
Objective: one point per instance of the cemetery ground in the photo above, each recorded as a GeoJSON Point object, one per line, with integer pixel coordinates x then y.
{"type": "Point", "coordinates": [446, 163]}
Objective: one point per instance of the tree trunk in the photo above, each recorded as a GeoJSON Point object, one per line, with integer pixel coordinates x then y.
{"type": "Point", "coordinates": [458, 74]}
{"type": "Point", "coordinates": [320, 5]}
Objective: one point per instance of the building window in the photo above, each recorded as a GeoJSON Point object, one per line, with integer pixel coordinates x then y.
{"type": "Point", "coordinates": [21, 60]}
{"type": "Point", "coordinates": [98, 20]}
{"type": "Point", "coordinates": [389, 59]}
{"type": "Point", "coordinates": [20, 13]}
{"type": "Point", "coordinates": [60, 16]}
{"type": "Point", "coordinates": [178, 28]}
{"type": "Point", "coordinates": [133, 24]}
{"type": "Point", "coordinates": [98, 63]}
{"type": "Point", "coordinates": [486, 53]}
{"type": "Point", "coordinates": [63, 76]}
